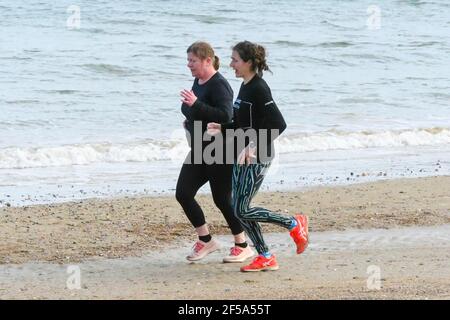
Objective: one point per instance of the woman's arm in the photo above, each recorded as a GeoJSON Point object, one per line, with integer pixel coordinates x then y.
{"type": "Point", "coordinates": [269, 116]}
{"type": "Point", "coordinates": [221, 108]}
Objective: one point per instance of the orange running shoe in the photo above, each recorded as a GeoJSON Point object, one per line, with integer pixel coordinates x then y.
{"type": "Point", "coordinates": [300, 233]}
{"type": "Point", "coordinates": [261, 263]}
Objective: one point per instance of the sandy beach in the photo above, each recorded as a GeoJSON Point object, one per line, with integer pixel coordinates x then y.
{"type": "Point", "coordinates": [93, 136]}
{"type": "Point", "coordinates": [135, 247]}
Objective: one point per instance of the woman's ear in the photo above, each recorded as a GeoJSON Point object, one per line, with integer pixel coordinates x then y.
{"type": "Point", "coordinates": [249, 64]}
{"type": "Point", "coordinates": [208, 60]}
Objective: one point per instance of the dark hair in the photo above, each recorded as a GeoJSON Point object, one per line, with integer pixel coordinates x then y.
{"type": "Point", "coordinates": [204, 50]}
{"type": "Point", "coordinates": [255, 53]}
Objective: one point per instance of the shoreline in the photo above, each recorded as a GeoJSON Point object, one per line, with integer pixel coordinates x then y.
{"type": "Point", "coordinates": [289, 172]}
{"type": "Point", "coordinates": [129, 226]}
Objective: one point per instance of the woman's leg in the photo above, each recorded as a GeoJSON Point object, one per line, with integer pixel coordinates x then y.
{"type": "Point", "coordinates": [192, 177]}
{"type": "Point", "coordinates": [220, 182]}
{"type": "Point", "coordinates": [247, 179]}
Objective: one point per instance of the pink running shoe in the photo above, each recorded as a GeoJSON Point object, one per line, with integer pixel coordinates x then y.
{"type": "Point", "coordinates": [300, 233]}
{"type": "Point", "coordinates": [239, 254]}
{"type": "Point", "coordinates": [202, 249]}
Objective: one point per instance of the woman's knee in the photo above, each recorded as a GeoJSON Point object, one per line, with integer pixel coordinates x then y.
{"type": "Point", "coordinates": [223, 203]}
{"type": "Point", "coordinates": [183, 196]}
{"type": "Point", "coordinates": [239, 212]}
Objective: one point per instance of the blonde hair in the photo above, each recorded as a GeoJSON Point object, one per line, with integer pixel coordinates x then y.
{"type": "Point", "coordinates": [204, 50]}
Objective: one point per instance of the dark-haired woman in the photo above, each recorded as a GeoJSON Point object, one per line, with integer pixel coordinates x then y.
{"type": "Point", "coordinates": [256, 112]}
{"type": "Point", "coordinates": [210, 99]}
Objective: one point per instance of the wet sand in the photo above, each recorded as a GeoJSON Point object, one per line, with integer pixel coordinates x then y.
{"type": "Point", "coordinates": [39, 242]}
{"type": "Point", "coordinates": [399, 263]}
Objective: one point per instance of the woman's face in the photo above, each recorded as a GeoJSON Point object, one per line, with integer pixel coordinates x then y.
{"type": "Point", "coordinates": [197, 65]}
{"type": "Point", "coordinates": [240, 67]}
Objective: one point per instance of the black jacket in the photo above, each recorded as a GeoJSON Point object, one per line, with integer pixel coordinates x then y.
{"type": "Point", "coordinates": [255, 109]}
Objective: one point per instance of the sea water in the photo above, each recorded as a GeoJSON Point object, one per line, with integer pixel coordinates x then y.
{"type": "Point", "coordinates": [90, 105]}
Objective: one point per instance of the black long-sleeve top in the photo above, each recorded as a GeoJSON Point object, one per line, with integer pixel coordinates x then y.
{"type": "Point", "coordinates": [214, 104]}
{"type": "Point", "coordinates": [255, 109]}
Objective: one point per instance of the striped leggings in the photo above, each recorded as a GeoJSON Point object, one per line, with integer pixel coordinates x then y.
{"type": "Point", "coordinates": [246, 181]}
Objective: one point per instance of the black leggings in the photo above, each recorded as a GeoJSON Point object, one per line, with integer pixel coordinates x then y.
{"type": "Point", "coordinates": [192, 177]}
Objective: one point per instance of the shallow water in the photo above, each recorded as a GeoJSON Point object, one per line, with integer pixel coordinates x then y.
{"type": "Point", "coordinates": [98, 107]}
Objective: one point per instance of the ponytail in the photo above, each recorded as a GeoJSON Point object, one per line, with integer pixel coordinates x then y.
{"type": "Point", "coordinates": [260, 60]}
{"type": "Point", "coordinates": [216, 62]}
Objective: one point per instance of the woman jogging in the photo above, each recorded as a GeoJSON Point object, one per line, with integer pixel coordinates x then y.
{"type": "Point", "coordinates": [255, 111]}
{"type": "Point", "coordinates": [210, 99]}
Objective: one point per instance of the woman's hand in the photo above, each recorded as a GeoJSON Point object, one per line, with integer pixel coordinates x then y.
{"type": "Point", "coordinates": [214, 128]}
{"type": "Point", "coordinates": [247, 155]}
{"type": "Point", "coordinates": [188, 97]}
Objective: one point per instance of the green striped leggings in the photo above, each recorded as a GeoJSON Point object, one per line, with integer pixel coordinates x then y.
{"type": "Point", "coordinates": [246, 181]}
